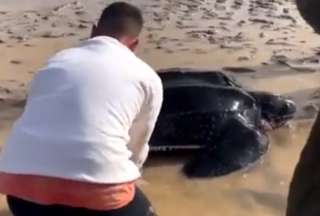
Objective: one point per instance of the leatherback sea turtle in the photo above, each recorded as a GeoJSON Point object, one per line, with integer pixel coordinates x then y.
{"type": "Point", "coordinates": [211, 115]}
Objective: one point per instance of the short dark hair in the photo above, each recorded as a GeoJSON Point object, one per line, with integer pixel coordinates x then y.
{"type": "Point", "coordinates": [121, 18]}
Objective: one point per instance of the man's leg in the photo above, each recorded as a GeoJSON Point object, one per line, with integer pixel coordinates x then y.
{"type": "Point", "coordinates": [20, 207]}
{"type": "Point", "coordinates": [139, 206]}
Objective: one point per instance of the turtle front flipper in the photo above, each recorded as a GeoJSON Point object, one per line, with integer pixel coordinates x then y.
{"type": "Point", "coordinates": [238, 146]}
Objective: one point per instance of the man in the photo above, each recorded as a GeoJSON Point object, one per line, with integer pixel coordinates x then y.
{"type": "Point", "coordinates": [78, 146]}
{"type": "Point", "coordinates": [304, 195]}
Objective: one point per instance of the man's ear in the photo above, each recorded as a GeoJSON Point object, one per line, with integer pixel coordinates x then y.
{"type": "Point", "coordinates": [94, 30]}
{"type": "Point", "coordinates": [134, 44]}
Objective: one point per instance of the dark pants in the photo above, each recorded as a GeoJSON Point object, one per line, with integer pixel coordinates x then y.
{"type": "Point", "coordinates": [139, 206]}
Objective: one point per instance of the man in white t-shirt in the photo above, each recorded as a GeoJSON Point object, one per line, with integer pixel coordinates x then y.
{"type": "Point", "coordinates": [79, 145]}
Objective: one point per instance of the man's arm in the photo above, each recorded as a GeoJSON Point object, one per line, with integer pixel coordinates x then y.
{"type": "Point", "coordinates": [144, 124]}
{"type": "Point", "coordinates": [304, 194]}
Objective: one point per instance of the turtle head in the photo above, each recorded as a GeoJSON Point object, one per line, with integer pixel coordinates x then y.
{"type": "Point", "coordinates": [276, 110]}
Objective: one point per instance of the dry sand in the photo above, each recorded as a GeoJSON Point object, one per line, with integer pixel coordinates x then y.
{"type": "Point", "coordinates": [266, 46]}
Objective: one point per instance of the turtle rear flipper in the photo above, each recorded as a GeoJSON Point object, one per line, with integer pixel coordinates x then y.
{"type": "Point", "coordinates": [237, 147]}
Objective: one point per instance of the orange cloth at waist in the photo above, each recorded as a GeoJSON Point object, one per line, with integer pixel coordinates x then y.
{"type": "Point", "coordinates": [49, 191]}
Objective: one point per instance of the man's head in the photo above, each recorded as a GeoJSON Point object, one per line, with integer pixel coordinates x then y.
{"type": "Point", "coordinates": [310, 11]}
{"type": "Point", "coordinates": [122, 21]}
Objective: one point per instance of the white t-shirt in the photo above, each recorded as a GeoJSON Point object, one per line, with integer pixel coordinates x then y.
{"type": "Point", "coordinates": [89, 116]}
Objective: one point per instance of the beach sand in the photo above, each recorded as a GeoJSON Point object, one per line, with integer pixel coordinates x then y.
{"type": "Point", "coordinates": [266, 46]}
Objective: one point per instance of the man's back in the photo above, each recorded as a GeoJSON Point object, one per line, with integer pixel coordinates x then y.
{"type": "Point", "coordinates": [79, 112]}
{"type": "Point", "coordinates": [79, 145]}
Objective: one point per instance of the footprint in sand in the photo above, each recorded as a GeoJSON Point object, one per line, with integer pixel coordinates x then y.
{"type": "Point", "coordinates": [16, 62]}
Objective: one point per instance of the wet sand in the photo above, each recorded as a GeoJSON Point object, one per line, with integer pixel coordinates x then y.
{"type": "Point", "coordinates": [267, 45]}
{"type": "Point", "coordinates": [261, 190]}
